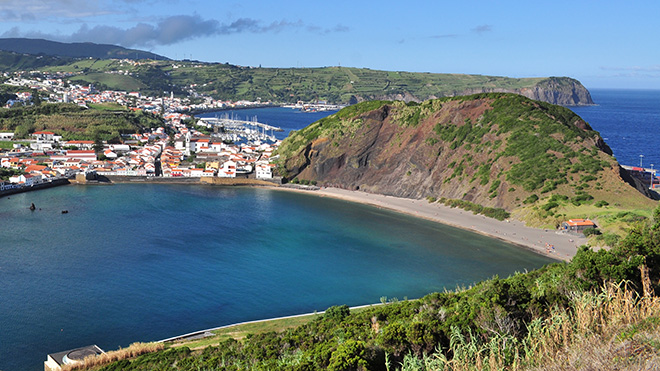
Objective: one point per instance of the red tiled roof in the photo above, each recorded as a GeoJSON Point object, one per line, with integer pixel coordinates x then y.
{"type": "Point", "coordinates": [580, 222]}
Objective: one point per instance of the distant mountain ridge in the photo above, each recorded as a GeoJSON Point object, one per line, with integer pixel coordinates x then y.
{"type": "Point", "coordinates": [343, 85]}
{"type": "Point", "coordinates": [74, 50]}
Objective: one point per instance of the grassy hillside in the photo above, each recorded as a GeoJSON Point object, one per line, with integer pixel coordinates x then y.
{"type": "Point", "coordinates": [336, 84]}
{"type": "Point", "coordinates": [106, 81]}
{"type": "Point", "coordinates": [10, 61]}
{"type": "Point", "coordinates": [539, 161]}
{"type": "Point", "coordinates": [333, 84]}
{"type": "Point", "coordinates": [72, 50]}
{"type": "Point", "coordinates": [74, 122]}
{"type": "Point", "coordinates": [563, 316]}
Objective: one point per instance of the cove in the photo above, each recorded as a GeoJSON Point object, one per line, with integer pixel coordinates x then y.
{"type": "Point", "coordinates": [143, 262]}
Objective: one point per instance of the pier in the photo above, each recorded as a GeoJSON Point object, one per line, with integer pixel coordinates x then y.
{"type": "Point", "coordinates": [231, 129]}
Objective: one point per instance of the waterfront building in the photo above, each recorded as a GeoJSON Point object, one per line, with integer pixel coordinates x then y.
{"type": "Point", "coordinates": [264, 170]}
{"type": "Point", "coordinates": [55, 361]}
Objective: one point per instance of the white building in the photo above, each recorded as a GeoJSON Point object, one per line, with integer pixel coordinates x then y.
{"type": "Point", "coordinates": [227, 170]}
{"type": "Point", "coordinates": [264, 171]}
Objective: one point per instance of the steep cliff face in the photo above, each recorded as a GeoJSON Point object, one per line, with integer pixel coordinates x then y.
{"type": "Point", "coordinates": [563, 91]}
{"type": "Point", "coordinates": [493, 149]}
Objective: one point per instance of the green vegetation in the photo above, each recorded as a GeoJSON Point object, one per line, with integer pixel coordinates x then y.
{"type": "Point", "coordinates": [540, 139]}
{"type": "Point", "coordinates": [304, 181]}
{"type": "Point", "coordinates": [495, 213]}
{"type": "Point", "coordinates": [340, 124]}
{"type": "Point", "coordinates": [74, 122]}
{"type": "Point", "coordinates": [5, 174]}
{"type": "Point", "coordinates": [107, 107]}
{"type": "Point", "coordinates": [539, 161]}
{"type": "Point", "coordinates": [10, 62]}
{"type": "Point", "coordinates": [529, 320]}
{"type": "Point", "coordinates": [106, 81]}
{"type": "Point", "coordinates": [8, 144]}
{"type": "Point", "coordinates": [333, 84]}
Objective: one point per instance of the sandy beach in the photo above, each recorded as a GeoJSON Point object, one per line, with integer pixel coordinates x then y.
{"type": "Point", "coordinates": [552, 243]}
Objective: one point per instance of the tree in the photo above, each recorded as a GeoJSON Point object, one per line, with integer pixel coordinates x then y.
{"type": "Point", "coordinates": [98, 145]}
{"type": "Point", "coordinates": [350, 355]}
{"type": "Point", "coordinates": [337, 312]}
{"type": "Point", "coordinates": [36, 98]}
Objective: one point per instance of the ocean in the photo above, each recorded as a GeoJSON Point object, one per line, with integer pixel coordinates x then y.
{"type": "Point", "coordinates": [143, 262]}
{"type": "Point", "coordinates": [149, 261]}
{"type": "Point", "coordinates": [285, 118]}
{"type": "Point", "coordinates": [627, 120]}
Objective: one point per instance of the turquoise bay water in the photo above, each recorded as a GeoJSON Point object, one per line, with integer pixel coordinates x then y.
{"type": "Point", "coordinates": [144, 262]}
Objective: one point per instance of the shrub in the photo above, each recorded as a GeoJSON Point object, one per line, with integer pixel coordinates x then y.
{"type": "Point", "coordinates": [531, 199]}
{"type": "Point", "coordinates": [337, 312]}
{"type": "Point", "coordinates": [601, 203]}
{"type": "Point", "coordinates": [591, 231]}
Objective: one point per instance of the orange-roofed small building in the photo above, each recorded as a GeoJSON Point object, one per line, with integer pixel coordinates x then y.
{"type": "Point", "coordinates": [577, 225]}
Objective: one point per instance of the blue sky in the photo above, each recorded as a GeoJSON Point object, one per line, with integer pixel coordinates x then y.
{"type": "Point", "coordinates": [604, 44]}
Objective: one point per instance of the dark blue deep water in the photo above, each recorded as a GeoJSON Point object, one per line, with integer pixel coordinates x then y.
{"type": "Point", "coordinates": [629, 121]}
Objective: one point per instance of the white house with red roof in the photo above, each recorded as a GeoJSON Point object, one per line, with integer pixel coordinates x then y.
{"type": "Point", "coordinates": [80, 144]}
{"type": "Point", "coordinates": [264, 170]}
{"type": "Point", "coordinates": [81, 154]}
{"type": "Point", "coordinates": [108, 153]}
{"type": "Point", "coordinates": [227, 170]}
{"type": "Point", "coordinates": [43, 135]}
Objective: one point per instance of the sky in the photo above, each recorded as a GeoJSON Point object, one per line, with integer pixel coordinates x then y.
{"type": "Point", "coordinates": [604, 44]}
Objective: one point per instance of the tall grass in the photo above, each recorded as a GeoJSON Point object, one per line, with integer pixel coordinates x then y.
{"type": "Point", "coordinates": [133, 350]}
{"type": "Point", "coordinates": [612, 329]}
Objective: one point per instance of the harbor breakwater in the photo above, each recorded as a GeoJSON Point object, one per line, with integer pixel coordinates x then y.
{"type": "Point", "coordinates": [10, 189]}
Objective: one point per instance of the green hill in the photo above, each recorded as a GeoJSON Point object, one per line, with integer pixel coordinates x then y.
{"type": "Point", "coordinates": [10, 61]}
{"type": "Point", "coordinates": [332, 84]}
{"type": "Point", "coordinates": [154, 74]}
{"type": "Point", "coordinates": [539, 161]}
{"type": "Point", "coordinates": [73, 50]}
{"type": "Point", "coordinates": [73, 122]}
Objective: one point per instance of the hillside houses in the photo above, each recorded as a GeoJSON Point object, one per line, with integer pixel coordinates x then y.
{"type": "Point", "coordinates": [172, 150]}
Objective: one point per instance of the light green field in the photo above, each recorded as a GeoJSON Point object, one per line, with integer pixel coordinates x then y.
{"type": "Point", "coordinates": [107, 107]}
{"type": "Point", "coordinates": [239, 332]}
{"type": "Point", "coordinates": [111, 81]}
{"type": "Point", "coordinates": [7, 144]}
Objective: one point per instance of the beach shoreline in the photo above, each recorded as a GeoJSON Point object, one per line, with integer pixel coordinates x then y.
{"type": "Point", "coordinates": [551, 243]}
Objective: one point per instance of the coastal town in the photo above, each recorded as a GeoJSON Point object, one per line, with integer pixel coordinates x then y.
{"type": "Point", "coordinates": [183, 147]}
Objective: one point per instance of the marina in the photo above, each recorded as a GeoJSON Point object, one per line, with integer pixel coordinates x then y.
{"type": "Point", "coordinates": [232, 129]}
